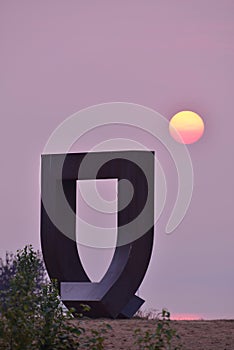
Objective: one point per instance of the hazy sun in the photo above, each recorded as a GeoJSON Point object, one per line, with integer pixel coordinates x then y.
{"type": "Point", "coordinates": [186, 127]}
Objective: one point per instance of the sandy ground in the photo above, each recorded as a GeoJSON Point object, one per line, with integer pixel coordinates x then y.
{"type": "Point", "coordinates": [195, 335]}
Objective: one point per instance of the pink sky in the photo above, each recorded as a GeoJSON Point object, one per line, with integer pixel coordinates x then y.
{"type": "Point", "coordinates": [59, 56]}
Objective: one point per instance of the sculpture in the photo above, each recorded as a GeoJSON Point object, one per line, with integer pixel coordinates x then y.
{"type": "Point", "coordinates": [114, 296]}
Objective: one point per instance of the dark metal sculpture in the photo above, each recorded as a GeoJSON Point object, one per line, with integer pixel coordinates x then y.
{"type": "Point", "coordinates": [114, 296]}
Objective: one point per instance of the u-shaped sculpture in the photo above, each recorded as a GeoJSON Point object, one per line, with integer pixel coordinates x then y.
{"type": "Point", "coordinates": [114, 296]}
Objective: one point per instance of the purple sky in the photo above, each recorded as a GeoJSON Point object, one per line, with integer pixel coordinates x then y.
{"type": "Point", "coordinates": [58, 57]}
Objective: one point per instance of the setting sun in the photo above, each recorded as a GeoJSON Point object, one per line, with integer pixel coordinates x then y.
{"type": "Point", "coordinates": [186, 127]}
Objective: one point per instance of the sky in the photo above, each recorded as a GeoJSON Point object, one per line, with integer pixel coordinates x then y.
{"type": "Point", "coordinates": [58, 57]}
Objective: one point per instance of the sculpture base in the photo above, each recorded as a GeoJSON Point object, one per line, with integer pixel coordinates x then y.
{"type": "Point", "coordinates": [74, 294]}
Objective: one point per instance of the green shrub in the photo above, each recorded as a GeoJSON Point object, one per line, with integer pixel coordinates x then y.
{"type": "Point", "coordinates": [9, 266]}
{"type": "Point", "coordinates": [161, 338]}
{"type": "Point", "coordinates": [31, 313]}
{"type": "Point", "coordinates": [19, 303]}
{"type": "Point", "coordinates": [96, 338]}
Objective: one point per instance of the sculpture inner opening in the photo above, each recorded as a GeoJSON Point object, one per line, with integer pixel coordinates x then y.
{"type": "Point", "coordinates": [96, 203]}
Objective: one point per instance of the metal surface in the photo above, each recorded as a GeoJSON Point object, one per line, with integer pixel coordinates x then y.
{"type": "Point", "coordinates": [114, 296]}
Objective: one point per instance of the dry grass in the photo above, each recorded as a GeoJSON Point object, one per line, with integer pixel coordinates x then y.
{"type": "Point", "coordinates": [195, 335]}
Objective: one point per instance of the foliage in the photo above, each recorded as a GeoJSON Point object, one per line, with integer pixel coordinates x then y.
{"type": "Point", "coordinates": [19, 301]}
{"type": "Point", "coordinates": [31, 314]}
{"type": "Point", "coordinates": [161, 338]}
{"type": "Point", "coordinates": [95, 340]}
{"type": "Point", "coordinates": [8, 269]}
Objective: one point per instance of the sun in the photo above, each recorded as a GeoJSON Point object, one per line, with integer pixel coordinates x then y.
{"type": "Point", "coordinates": [186, 127]}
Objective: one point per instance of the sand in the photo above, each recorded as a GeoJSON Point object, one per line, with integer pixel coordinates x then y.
{"type": "Point", "coordinates": [195, 335]}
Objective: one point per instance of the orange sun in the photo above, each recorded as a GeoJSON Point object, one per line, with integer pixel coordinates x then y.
{"type": "Point", "coordinates": [186, 127]}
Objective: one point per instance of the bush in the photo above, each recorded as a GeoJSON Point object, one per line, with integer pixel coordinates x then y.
{"type": "Point", "coordinates": [9, 266]}
{"type": "Point", "coordinates": [161, 338]}
{"type": "Point", "coordinates": [7, 270]}
{"type": "Point", "coordinates": [31, 313]}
